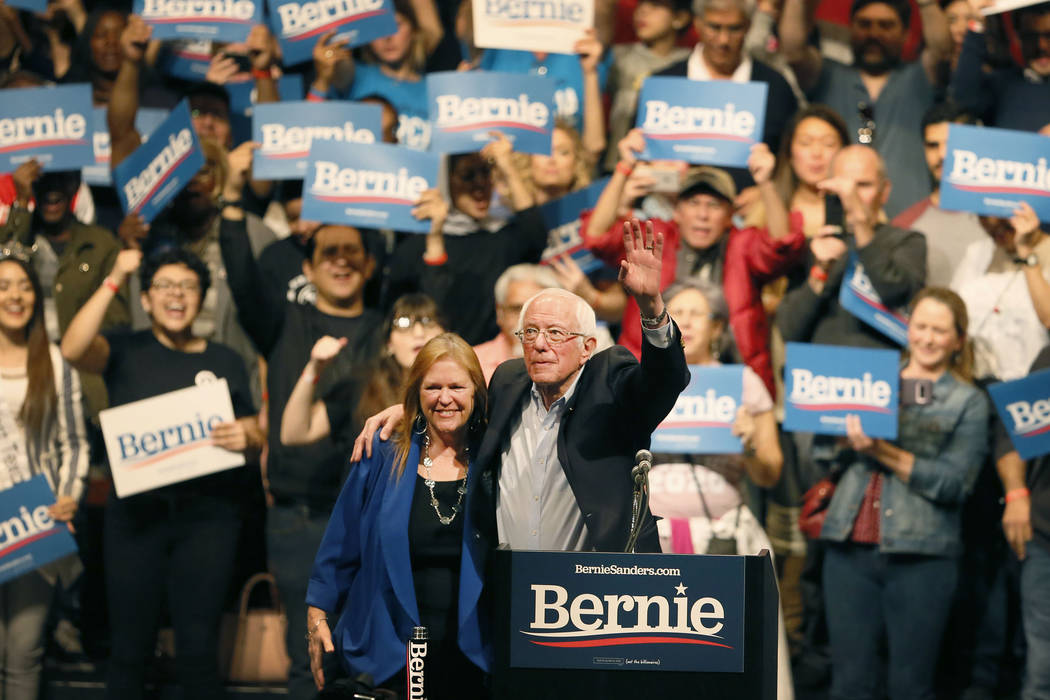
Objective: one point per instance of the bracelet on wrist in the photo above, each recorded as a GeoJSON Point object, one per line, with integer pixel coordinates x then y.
{"type": "Point", "coordinates": [625, 168]}
{"type": "Point", "coordinates": [436, 261]}
{"type": "Point", "coordinates": [111, 284]}
{"type": "Point", "coordinates": [313, 630]}
{"type": "Point", "coordinates": [1016, 495]}
{"type": "Point", "coordinates": [656, 321]}
{"type": "Point", "coordinates": [261, 73]}
{"type": "Point", "coordinates": [818, 273]}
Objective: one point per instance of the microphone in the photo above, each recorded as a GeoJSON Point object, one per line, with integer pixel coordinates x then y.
{"type": "Point", "coordinates": [643, 460]}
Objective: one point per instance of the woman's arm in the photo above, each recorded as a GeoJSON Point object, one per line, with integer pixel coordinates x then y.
{"type": "Point", "coordinates": [593, 133]}
{"type": "Point", "coordinates": [71, 435]}
{"type": "Point", "coordinates": [762, 457]}
{"type": "Point", "coordinates": [500, 153]}
{"type": "Point", "coordinates": [82, 345]}
{"type": "Point", "coordinates": [124, 138]}
{"type": "Point", "coordinates": [605, 212]}
{"type": "Point", "coordinates": [328, 55]}
{"type": "Point", "coordinates": [305, 419]}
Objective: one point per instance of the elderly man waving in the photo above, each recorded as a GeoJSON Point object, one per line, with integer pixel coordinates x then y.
{"type": "Point", "coordinates": [565, 423]}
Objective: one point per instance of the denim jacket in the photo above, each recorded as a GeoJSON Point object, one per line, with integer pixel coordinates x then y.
{"type": "Point", "coordinates": [949, 438]}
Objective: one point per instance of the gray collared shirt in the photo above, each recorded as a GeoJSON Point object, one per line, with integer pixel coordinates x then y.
{"type": "Point", "coordinates": [535, 506]}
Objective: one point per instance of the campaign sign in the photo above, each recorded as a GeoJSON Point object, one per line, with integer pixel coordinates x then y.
{"type": "Point", "coordinates": [858, 296]}
{"type": "Point", "coordinates": [51, 124]}
{"type": "Point", "coordinates": [31, 5]}
{"type": "Point", "coordinates": [370, 185]}
{"type": "Point", "coordinates": [1024, 407]}
{"type": "Point", "coordinates": [825, 383]}
{"type": "Point", "coordinates": [146, 120]}
{"type": "Point", "coordinates": [553, 26]}
{"type": "Point", "coordinates": [562, 217]}
{"type": "Point", "coordinates": [158, 169]}
{"type": "Point", "coordinates": [701, 121]}
{"type": "Point", "coordinates": [652, 612]}
{"type": "Point", "coordinates": [998, 6]}
{"type": "Point", "coordinates": [29, 536]}
{"type": "Point", "coordinates": [465, 106]}
{"type": "Point", "coordinates": [166, 439]}
{"type": "Point", "coordinates": [188, 60]}
{"type": "Point", "coordinates": [242, 102]}
{"type": "Point", "coordinates": [286, 130]}
{"type": "Point", "coordinates": [298, 24]}
{"type": "Point", "coordinates": [217, 20]}
{"type": "Point", "coordinates": [989, 171]}
{"type": "Point", "coordinates": [701, 421]}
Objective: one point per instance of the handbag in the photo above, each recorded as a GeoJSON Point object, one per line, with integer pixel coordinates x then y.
{"type": "Point", "coordinates": [717, 545]}
{"type": "Point", "coordinates": [252, 642]}
{"type": "Point", "coordinates": [815, 504]}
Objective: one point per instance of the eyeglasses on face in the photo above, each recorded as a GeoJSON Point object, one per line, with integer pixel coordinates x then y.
{"type": "Point", "coordinates": [404, 323]}
{"type": "Point", "coordinates": [187, 286]}
{"type": "Point", "coordinates": [554, 336]}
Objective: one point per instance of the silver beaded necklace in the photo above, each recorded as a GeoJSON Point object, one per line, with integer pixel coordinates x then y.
{"type": "Point", "coordinates": [427, 464]}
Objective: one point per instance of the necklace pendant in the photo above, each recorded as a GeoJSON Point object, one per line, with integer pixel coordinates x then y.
{"type": "Point", "coordinates": [462, 489]}
{"type": "Point", "coordinates": [427, 462]}
{"type": "Point", "coordinates": [444, 520]}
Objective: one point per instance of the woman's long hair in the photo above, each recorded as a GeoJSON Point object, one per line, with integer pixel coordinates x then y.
{"type": "Point", "coordinates": [41, 401]}
{"type": "Point", "coordinates": [384, 383]}
{"type": "Point", "coordinates": [582, 162]}
{"type": "Point", "coordinates": [784, 176]}
{"type": "Point", "coordinates": [962, 361]}
{"type": "Point", "coordinates": [417, 51]}
{"type": "Point", "coordinates": [447, 346]}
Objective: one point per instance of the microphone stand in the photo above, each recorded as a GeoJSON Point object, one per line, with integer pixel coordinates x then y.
{"type": "Point", "coordinates": [640, 498]}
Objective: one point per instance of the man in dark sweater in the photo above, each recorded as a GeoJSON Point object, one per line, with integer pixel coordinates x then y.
{"type": "Point", "coordinates": [893, 259]}
{"type": "Point", "coordinates": [304, 480]}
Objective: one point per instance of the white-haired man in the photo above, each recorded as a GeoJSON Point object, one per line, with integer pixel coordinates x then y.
{"type": "Point", "coordinates": [565, 422]}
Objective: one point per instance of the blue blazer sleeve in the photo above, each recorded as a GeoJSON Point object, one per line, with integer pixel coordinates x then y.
{"type": "Point", "coordinates": [339, 556]}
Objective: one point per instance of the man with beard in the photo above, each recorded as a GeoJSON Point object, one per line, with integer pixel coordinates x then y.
{"type": "Point", "coordinates": [881, 97]}
{"type": "Point", "coordinates": [948, 233]}
{"type": "Point", "coordinates": [303, 480]}
{"type": "Point", "coordinates": [1013, 97]}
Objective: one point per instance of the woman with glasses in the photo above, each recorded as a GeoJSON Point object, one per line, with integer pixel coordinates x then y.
{"type": "Point", "coordinates": [174, 544]}
{"type": "Point", "coordinates": [357, 392]}
{"type": "Point", "coordinates": [41, 432]}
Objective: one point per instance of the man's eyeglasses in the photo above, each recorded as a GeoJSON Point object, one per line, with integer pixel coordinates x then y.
{"type": "Point", "coordinates": [554, 336]}
{"type": "Point", "coordinates": [187, 286]}
{"type": "Point", "coordinates": [404, 323]}
{"type": "Point", "coordinates": [866, 131]}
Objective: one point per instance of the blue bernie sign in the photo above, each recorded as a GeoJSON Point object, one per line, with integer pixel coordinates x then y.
{"type": "Point", "coordinates": [298, 25]}
{"type": "Point", "coordinates": [1024, 407]}
{"type": "Point", "coordinates": [701, 421]}
{"type": "Point", "coordinates": [562, 216]}
{"type": "Point", "coordinates": [858, 296]}
{"type": "Point", "coordinates": [158, 169]}
{"type": "Point", "coordinates": [29, 536]}
{"type": "Point", "coordinates": [466, 106]}
{"type": "Point", "coordinates": [369, 185]}
{"type": "Point", "coordinates": [215, 20]}
{"type": "Point", "coordinates": [714, 122]}
{"type": "Point", "coordinates": [825, 383]}
{"type": "Point", "coordinates": [51, 124]}
{"type": "Point", "coordinates": [287, 129]}
{"type": "Point", "coordinates": [146, 120]}
{"type": "Point", "coordinates": [990, 171]}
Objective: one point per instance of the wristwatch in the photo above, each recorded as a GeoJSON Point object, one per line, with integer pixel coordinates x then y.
{"type": "Point", "coordinates": [656, 321]}
{"type": "Point", "coordinates": [1030, 260]}
{"type": "Point", "coordinates": [222, 203]}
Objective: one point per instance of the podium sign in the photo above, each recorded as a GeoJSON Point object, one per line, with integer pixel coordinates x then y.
{"type": "Point", "coordinates": [622, 612]}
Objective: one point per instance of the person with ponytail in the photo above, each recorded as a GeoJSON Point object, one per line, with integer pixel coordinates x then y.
{"type": "Point", "coordinates": [893, 527]}
{"type": "Point", "coordinates": [41, 432]}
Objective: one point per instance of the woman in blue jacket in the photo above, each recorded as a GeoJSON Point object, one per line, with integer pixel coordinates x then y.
{"type": "Point", "coordinates": [894, 521]}
{"type": "Point", "coordinates": [394, 555]}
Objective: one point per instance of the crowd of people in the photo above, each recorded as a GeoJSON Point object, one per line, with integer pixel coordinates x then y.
{"type": "Point", "coordinates": [517, 382]}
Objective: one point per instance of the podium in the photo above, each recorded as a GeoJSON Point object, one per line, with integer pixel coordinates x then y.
{"type": "Point", "coordinates": [609, 626]}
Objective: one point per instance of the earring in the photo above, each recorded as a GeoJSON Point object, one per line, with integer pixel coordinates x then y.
{"type": "Point", "coordinates": [419, 425]}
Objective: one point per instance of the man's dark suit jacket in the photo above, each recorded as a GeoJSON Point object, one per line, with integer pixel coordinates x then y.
{"type": "Point", "coordinates": [617, 404]}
